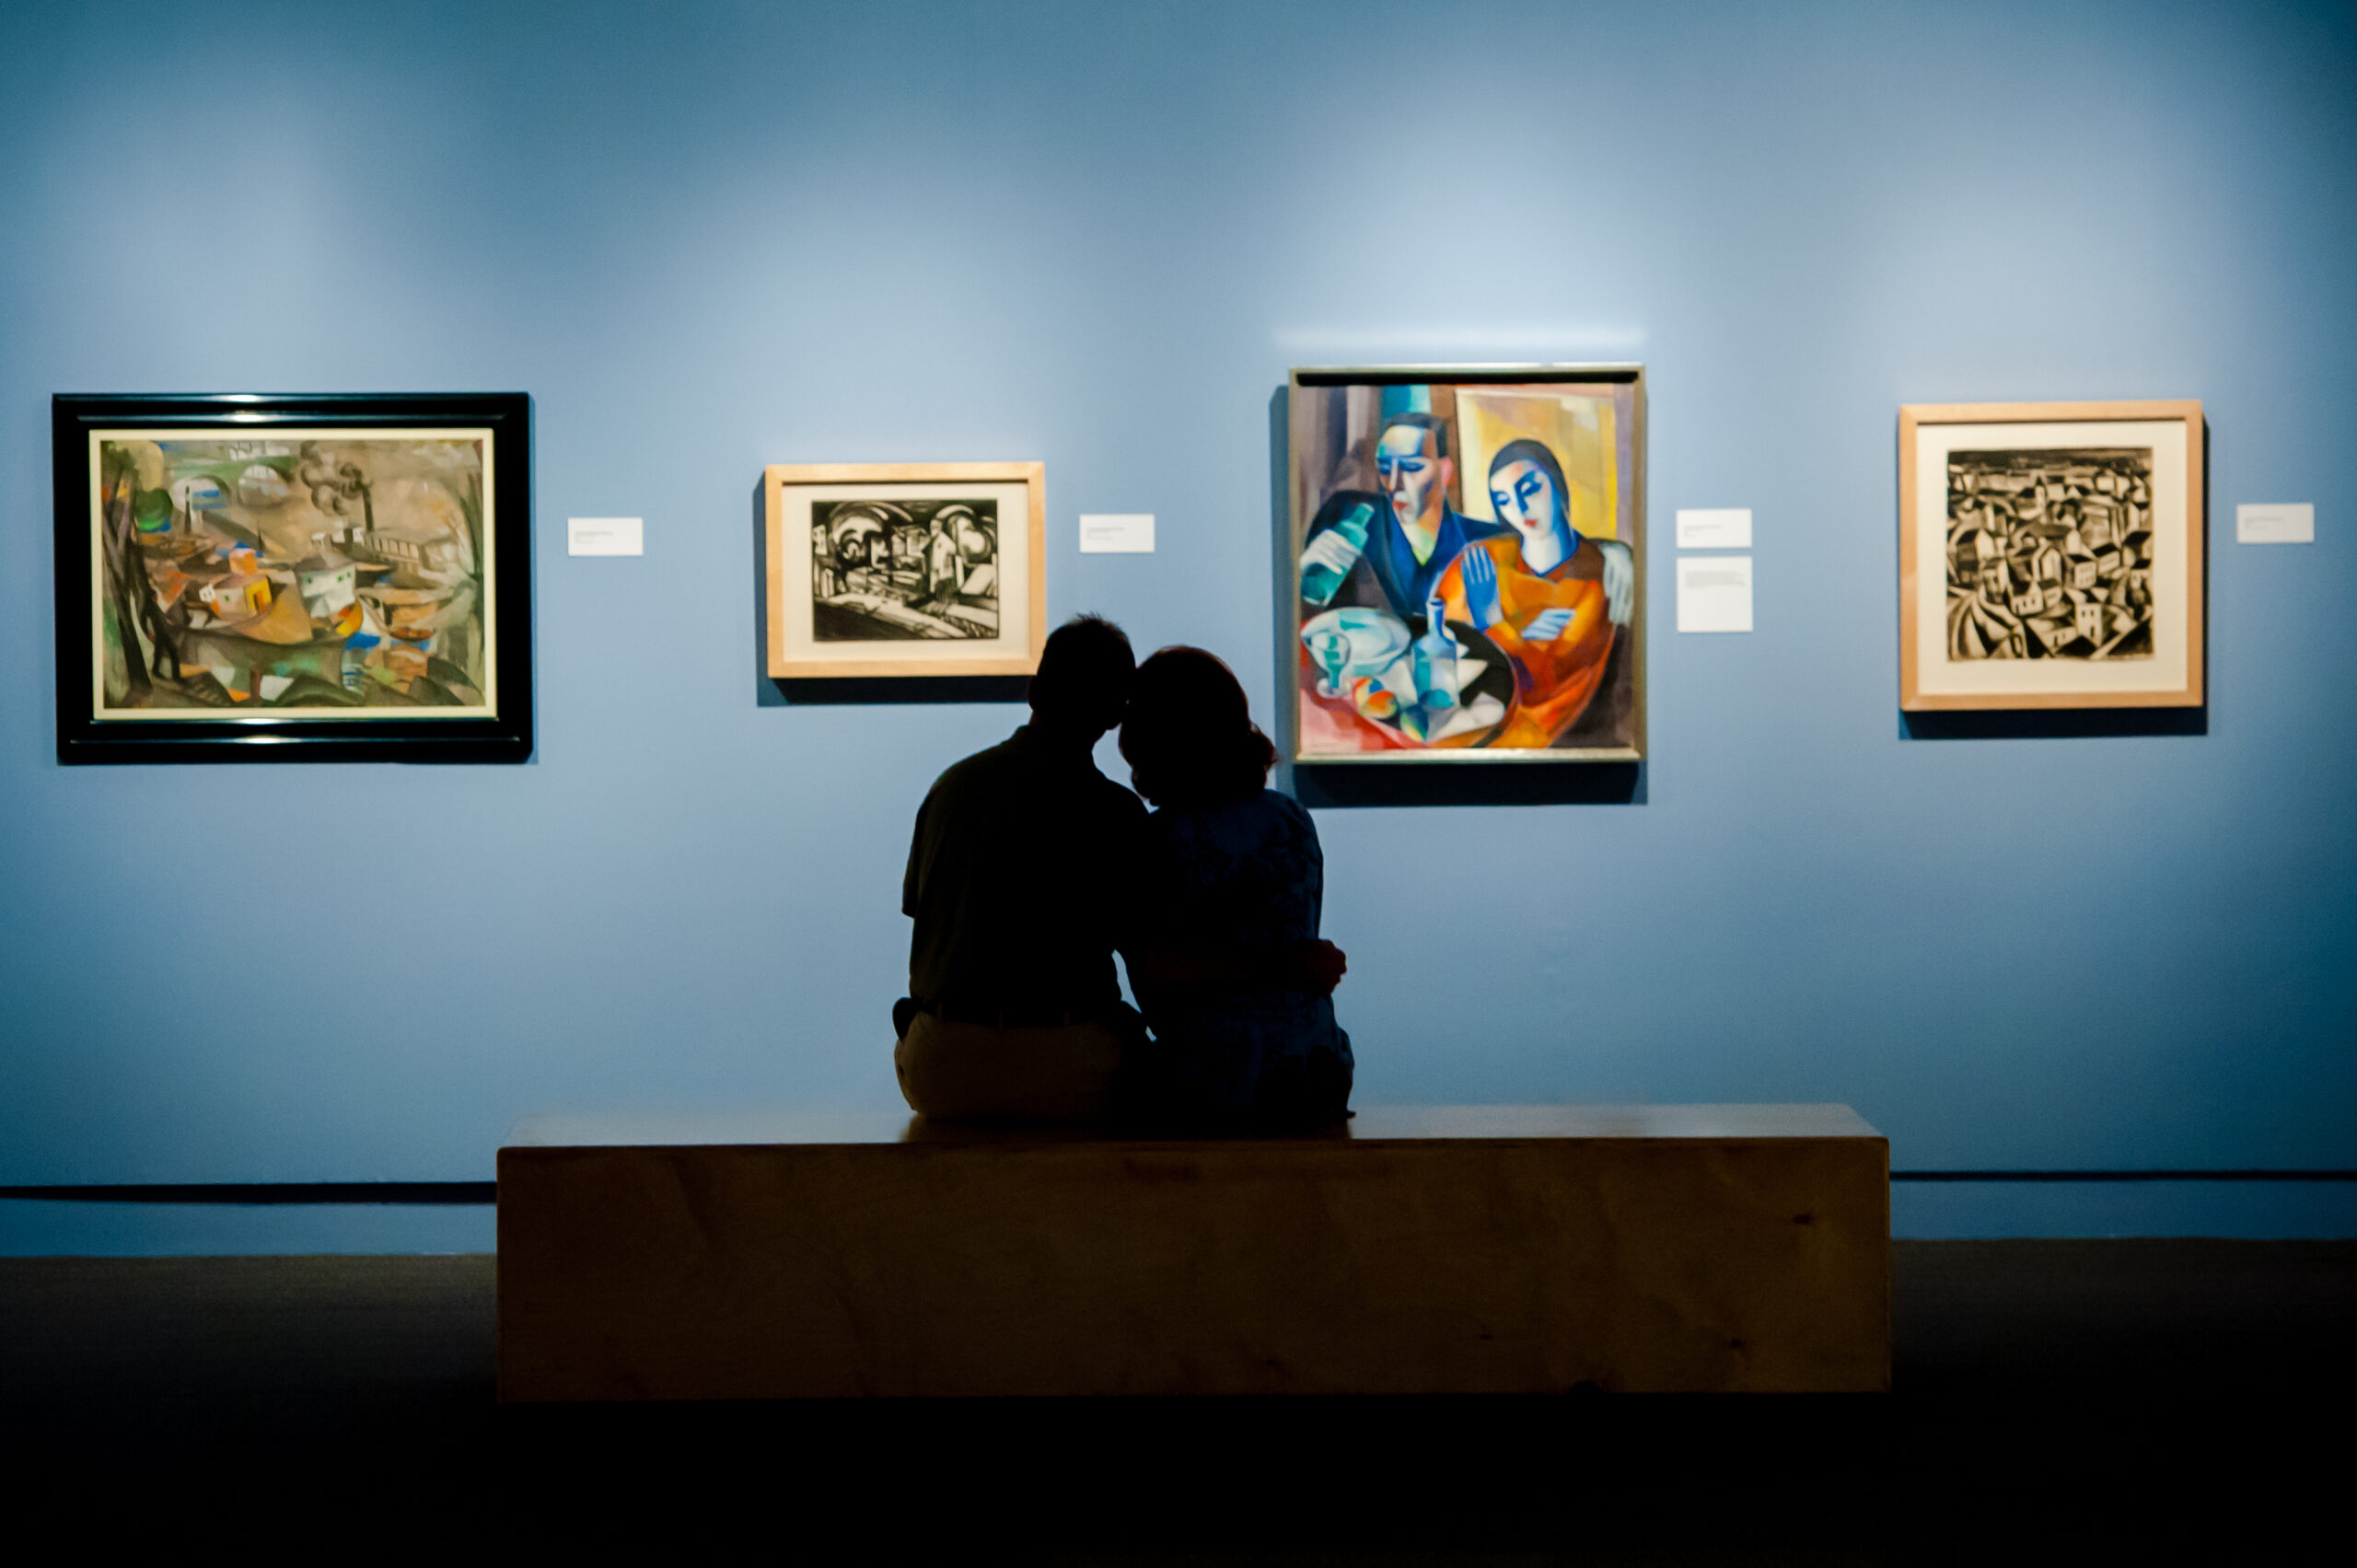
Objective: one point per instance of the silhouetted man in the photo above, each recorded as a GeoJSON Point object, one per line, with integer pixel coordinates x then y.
{"type": "Point", "coordinates": [1020, 881]}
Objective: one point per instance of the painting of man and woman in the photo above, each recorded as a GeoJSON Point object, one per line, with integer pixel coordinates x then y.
{"type": "Point", "coordinates": [1467, 550]}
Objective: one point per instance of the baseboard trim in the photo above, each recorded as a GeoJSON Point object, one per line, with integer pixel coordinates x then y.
{"type": "Point", "coordinates": [2124, 1175]}
{"type": "Point", "coordinates": [431, 1192]}
{"type": "Point", "coordinates": [461, 1192]}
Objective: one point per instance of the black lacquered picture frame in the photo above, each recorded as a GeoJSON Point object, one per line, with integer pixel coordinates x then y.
{"type": "Point", "coordinates": [338, 577]}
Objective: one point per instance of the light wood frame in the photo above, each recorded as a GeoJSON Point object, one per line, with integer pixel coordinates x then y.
{"type": "Point", "coordinates": [777, 477]}
{"type": "Point", "coordinates": [1295, 525]}
{"type": "Point", "coordinates": [1914, 417]}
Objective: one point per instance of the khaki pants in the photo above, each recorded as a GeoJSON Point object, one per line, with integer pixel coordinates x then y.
{"type": "Point", "coordinates": [960, 1072]}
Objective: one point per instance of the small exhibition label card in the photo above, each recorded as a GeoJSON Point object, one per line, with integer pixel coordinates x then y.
{"type": "Point", "coordinates": [1117, 533]}
{"type": "Point", "coordinates": [2280, 522]}
{"type": "Point", "coordinates": [1723, 527]}
{"type": "Point", "coordinates": [1715, 593]}
{"type": "Point", "coordinates": [605, 536]}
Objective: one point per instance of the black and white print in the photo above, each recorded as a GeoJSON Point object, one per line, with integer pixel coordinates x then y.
{"type": "Point", "coordinates": [899, 571]}
{"type": "Point", "coordinates": [2049, 554]}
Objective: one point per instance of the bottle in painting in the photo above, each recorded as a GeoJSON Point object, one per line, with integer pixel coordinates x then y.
{"type": "Point", "coordinates": [1434, 663]}
{"type": "Point", "coordinates": [1329, 557]}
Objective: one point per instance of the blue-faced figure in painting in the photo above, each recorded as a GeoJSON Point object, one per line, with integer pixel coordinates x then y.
{"type": "Point", "coordinates": [1529, 493]}
{"type": "Point", "coordinates": [1545, 597]}
{"type": "Point", "coordinates": [1388, 551]}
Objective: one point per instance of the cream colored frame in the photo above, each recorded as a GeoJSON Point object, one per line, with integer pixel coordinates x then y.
{"type": "Point", "coordinates": [1033, 477]}
{"type": "Point", "coordinates": [1912, 417]}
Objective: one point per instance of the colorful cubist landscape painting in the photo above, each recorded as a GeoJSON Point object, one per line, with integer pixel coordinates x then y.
{"type": "Point", "coordinates": [1469, 559]}
{"type": "Point", "coordinates": [323, 573]}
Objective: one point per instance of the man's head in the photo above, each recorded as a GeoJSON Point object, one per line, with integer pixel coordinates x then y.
{"type": "Point", "coordinates": [1084, 681]}
{"type": "Point", "coordinates": [1412, 461]}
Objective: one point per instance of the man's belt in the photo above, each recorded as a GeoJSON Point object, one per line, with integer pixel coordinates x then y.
{"type": "Point", "coordinates": [1013, 1016]}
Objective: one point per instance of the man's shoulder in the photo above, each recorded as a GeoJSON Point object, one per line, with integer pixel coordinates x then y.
{"type": "Point", "coordinates": [1011, 764]}
{"type": "Point", "coordinates": [1117, 801]}
{"type": "Point", "coordinates": [976, 769]}
{"type": "Point", "coordinates": [1472, 528]}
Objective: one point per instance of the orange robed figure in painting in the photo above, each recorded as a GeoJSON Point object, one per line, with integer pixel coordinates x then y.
{"type": "Point", "coordinates": [1540, 594]}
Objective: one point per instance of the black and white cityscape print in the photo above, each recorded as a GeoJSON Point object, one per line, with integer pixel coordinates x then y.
{"type": "Point", "coordinates": [2050, 554]}
{"type": "Point", "coordinates": [895, 571]}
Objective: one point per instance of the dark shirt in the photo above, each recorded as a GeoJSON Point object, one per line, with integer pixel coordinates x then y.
{"type": "Point", "coordinates": [1022, 880]}
{"type": "Point", "coordinates": [1249, 878]}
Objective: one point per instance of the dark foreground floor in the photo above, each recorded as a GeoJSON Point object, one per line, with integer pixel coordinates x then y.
{"type": "Point", "coordinates": [2057, 1402]}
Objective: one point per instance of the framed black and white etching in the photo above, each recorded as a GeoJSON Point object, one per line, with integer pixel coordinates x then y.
{"type": "Point", "coordinates": [2050, 555]}
{"type": "Point", "coordinates": [905, 568]}
{"type": "Point", "coordinates": [342, 578]}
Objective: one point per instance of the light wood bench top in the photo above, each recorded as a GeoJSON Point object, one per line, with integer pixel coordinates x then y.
{"type": "Point", "coordinates": [1374, 1124]}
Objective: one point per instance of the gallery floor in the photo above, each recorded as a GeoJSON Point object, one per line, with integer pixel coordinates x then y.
{"type": "Point", "coordinates": [2074, 1400]}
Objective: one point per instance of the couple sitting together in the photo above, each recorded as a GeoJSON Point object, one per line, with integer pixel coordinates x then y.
{"type": "Point", "coordinates": [1030, 869]}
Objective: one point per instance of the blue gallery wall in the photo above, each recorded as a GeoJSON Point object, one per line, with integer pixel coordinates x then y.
{"type": "Point", "coordinates": [711, 237]}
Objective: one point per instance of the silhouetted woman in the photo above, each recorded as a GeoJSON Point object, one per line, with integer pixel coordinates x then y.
{"type": "Point", "coordinates": [1234, 980]}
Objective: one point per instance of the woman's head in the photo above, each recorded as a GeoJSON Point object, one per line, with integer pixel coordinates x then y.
{"type": "Point", "coordinates": [1527, 489]}
{"type": "Point", "coordinates": [1189, 739]}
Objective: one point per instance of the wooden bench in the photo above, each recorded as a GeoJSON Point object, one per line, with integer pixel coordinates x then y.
{"type": "Point", "coordinates": [1488, 1249]}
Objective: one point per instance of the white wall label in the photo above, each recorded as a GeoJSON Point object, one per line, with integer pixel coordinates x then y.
{"type": "Point", "coordinates": [605, 536]}
{"type": "Point", "coordinates": [2283, 523]}
{"type": "Point", "coordinates": [1724, 528]}
{"type": "Point", "coordinates": [1117, 533]}
{"type": "Point", "coordinates": [1715, 593]}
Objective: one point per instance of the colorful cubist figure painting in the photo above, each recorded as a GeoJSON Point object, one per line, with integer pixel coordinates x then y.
{"type": "Point", "coordinates": [1467, 561]}
{"type": "Point", "coordinates": [323, 572]}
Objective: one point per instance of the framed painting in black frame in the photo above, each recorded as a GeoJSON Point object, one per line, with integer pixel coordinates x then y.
{"type": "Point", "coordinates": [342, 578]}
{"type": "Point", "coordinates": [1466, 558]}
